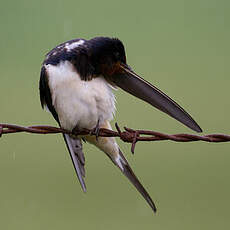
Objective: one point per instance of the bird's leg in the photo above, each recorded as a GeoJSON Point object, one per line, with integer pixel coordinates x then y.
{"type": "Point", "coordinates": [75, 130]}
{"type": "Point", "coordinates": [95, 130]}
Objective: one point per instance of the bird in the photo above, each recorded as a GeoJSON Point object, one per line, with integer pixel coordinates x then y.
{"type": "Point", "coordinates": [77, 82]}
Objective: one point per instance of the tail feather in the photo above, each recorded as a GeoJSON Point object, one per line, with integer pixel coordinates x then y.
{"type": "Point", "coordinates": [123, 165]}
{"type": "Point", "coordinates": [109, 146]}
{"type": "Point", "coordinates": [74, 146]}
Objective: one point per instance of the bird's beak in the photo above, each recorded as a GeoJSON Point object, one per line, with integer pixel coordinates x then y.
{"type": "Point", "coordinates": [129, 81]}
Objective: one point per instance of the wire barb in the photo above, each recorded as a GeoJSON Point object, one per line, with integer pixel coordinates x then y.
{"type": "Point", "coordinates": [128, 135]}
{"type": "Point", "coordinates": [1, 130]}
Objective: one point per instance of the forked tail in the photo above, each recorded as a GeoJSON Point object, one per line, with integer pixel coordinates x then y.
{"type": "Point", "coordinates": [123, 165]}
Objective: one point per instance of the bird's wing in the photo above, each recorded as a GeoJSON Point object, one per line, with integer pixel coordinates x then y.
{"type": "Point", "coordinates": [74, 145]}
{"type": "Point", "coordinates": [137, 86]}
{"type": "Point", "coordinates": [45, 94]}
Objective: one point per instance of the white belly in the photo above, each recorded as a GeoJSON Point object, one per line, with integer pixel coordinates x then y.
{"type": "Point", "coordinates": [79, 103]}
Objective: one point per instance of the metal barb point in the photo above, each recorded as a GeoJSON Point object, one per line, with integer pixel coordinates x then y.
{"type": "Point", "coordinates": [1, 130]}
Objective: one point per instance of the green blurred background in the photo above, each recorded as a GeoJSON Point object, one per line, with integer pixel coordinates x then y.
{"type": "Point", "coordinates": [180, 46]}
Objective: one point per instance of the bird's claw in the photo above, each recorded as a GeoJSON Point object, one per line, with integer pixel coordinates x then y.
{"type": "Point", "coordinates": [95, 131]}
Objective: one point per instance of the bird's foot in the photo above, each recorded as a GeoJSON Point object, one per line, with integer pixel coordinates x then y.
{"type": "Point", "coordinates": [95, 131]}
{"type": "Point", "coordinates": [76, 130]}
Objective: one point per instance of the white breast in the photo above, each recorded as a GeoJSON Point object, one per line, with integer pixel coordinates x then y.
{"type": "Point", "coordinates": [77, 102]}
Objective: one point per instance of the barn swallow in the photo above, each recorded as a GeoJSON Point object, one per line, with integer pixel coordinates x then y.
{"type": "Point", "coordinates": [76, 85]}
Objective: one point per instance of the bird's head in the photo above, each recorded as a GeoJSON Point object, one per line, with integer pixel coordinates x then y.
{"type": "Point", "coordinates": [107, 55]}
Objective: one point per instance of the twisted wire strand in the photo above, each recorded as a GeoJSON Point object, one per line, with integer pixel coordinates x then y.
{"type": "Point", "coordinates": [128, 135]}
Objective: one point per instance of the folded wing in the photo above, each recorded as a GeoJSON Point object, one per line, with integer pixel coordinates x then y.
{"type": "Point", "coordinates": [138, 87]}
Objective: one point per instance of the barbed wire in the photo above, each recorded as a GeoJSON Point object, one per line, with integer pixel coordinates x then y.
{"type": "Point", "coordinates": [128, 135]}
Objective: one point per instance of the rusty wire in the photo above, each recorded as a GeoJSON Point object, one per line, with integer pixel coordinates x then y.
{"type": "Point", "coordinates": [128, 135]}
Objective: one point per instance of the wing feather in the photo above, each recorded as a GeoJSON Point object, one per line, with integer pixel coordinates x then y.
{"type": "Point", "coordinates": [137, 86]}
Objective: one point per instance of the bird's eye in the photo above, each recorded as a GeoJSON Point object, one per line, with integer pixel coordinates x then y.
{"type": "Point", "coordinates": [117, 55]}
